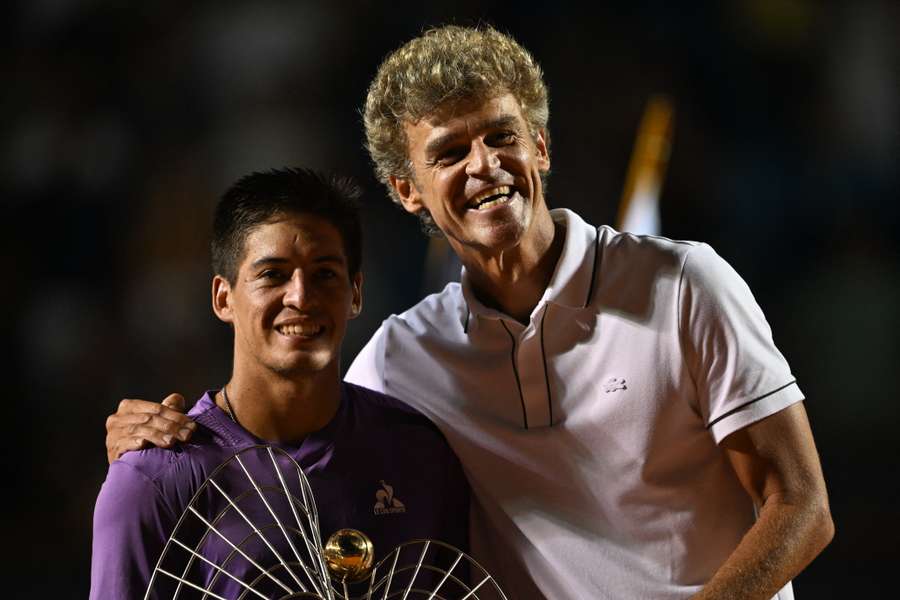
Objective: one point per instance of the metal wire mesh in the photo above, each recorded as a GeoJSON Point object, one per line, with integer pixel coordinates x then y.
{"type": "Point", "coordinates": [252, 531]}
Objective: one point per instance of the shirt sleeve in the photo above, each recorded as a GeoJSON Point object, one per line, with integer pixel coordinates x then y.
{"type": "Point", "coordinates": [367, 369]}
{"type": "Point", "coordinates": [131, 525]}
{"type": "Point", "coordinates": [740, 375]}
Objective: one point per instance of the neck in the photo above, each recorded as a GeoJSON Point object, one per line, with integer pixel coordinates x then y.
{"type": "Point", "coordinates": [513, 280]}
{"type": "Point", "coordinates": [283, 409]}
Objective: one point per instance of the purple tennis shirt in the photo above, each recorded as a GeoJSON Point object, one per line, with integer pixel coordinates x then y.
{"type": "Point", "coordinates": [379, 466]}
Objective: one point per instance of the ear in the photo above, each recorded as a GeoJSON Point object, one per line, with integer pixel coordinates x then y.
{"type": "Point", "coordinates": [410, 198]}
{"type": "Point", "coordinates": [542, 145]}
{"type": "Point", "coordinates": [356, 301]}
{"type": "Point", "coordinates": [221, 299]}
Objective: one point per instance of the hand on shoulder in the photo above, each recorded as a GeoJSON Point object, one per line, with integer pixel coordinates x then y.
{"type": "Point", "coordinates": [138, 424]}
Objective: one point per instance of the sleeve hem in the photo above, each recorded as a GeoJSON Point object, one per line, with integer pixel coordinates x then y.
{"type": "Point", "coordinates": [755, 410]}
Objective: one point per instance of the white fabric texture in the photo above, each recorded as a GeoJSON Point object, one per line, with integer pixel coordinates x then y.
{"type": "Point", "coordinates": [590, 434]}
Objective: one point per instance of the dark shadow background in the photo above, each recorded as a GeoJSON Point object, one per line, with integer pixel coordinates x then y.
{"type": "Point", "coordinates": [122, 123]}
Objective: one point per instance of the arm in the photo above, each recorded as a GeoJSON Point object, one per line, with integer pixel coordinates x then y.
{"type": "Point", "coordinates": [776, 462]}
{"type": "Point", "coordinates": [131, 525]}
{"type": "Point", "coordinates": [138, 424]}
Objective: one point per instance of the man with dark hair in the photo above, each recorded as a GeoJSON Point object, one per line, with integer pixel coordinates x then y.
{"type": "Point", "coordinates": [286, 256]}
{"type": "Point", "coordinates": [627, 424]}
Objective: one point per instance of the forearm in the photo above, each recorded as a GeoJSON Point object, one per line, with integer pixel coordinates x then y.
{"type": "Point", "coordinates": [787, 536]}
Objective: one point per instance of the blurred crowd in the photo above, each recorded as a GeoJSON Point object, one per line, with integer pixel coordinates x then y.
{"type": "Point", "coordinates": [123, 122]}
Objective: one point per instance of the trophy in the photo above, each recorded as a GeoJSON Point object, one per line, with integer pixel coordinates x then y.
{"type": "Point", "coordinates": [252, 531]}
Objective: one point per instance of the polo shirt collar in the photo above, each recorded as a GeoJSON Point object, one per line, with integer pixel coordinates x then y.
{"type": "Point", "coordinates": [572, 282]}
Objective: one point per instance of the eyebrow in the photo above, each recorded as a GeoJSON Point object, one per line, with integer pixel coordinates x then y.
{"type": "Point", "coordinates": [277, 260]}
{"type": "Point", "coordinates": [439, 142]}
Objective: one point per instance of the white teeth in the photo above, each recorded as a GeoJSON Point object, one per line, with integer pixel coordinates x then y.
{"type": "Point", "coordinates": [502, 190]}
{"type": "Point", "coordinates": [492, 203]}
{"type": "Point", "coordinates": [305, 329]}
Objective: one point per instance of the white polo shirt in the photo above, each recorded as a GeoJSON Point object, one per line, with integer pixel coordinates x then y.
{"type": "Point", "coordinates": [590, 434]}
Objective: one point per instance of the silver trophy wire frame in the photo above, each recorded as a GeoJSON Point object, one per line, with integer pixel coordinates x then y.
{"type": "Point", "coordinates": [252, 531]}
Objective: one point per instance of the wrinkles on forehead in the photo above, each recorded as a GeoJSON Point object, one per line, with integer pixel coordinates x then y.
{"type": "Point", "coordinates": [440, 113]}
{"type": "Point", "coordinates": [454, 104]}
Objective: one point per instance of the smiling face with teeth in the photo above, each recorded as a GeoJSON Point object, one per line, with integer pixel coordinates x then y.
{"type": "Point", "coordinates": [477, 170]}
{"type": "Point", "coordinates": [291, 299]}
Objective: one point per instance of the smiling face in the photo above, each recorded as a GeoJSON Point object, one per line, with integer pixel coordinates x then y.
{"type": "Point", "coordinates": [291, 298]}
{"type": "Point", "coordinates": [477, 171]}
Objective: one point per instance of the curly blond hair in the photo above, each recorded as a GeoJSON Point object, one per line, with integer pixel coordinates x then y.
{"type": "Point", "coordinates": [445, 64]}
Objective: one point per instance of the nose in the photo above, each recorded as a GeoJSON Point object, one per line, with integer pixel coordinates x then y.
{"type": "Point", "coordinates": [483, 159]}
{"type": "Point", "coordinates": [297, 292]}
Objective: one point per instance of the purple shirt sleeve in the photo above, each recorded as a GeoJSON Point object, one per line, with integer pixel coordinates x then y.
{"type": "Point", "coordinates": [132, 522]}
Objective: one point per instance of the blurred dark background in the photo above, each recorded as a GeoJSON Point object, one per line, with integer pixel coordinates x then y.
{"type": "Point", "coordinates": [123, 122]}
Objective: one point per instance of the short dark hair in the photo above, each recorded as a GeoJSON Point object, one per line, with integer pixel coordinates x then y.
{"type": "Point", "coordinates": [262, 196]}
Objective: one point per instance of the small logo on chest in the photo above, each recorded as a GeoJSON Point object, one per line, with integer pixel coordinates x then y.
{"type": "Point", "coordinates": [385, 501]}
{"type": "Point", "coordinates": [614, 384]}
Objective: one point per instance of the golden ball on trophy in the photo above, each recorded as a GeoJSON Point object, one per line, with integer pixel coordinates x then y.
{"type": "Point", "coordinates": [349, 554]}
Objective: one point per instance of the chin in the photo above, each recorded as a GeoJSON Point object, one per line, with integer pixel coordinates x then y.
{"type": "Point", "coordinates": [307, 365]}
{"type": "Point", "coordinates": [502, 236]}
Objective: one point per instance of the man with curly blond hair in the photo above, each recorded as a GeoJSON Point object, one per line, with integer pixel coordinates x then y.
{"type": "Point", "coordinates": [627, 424]}
{"type": "Point", "coordinates": [422, 76]}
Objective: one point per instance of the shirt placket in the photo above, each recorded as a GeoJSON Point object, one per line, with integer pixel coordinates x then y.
{"type": "Point", "coordinates": [530, 366]}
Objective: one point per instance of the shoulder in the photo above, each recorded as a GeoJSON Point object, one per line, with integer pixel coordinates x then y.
{"type": "Point", "coordinates": [704, 265]}
{"type": "Point", "coordinates": [649, 249]}
{"type": "Point", "coordinates": [610, 246]}
{"type": "Point", "coordinates": [382, 422]}
{"type": "Point", "coordinates": [150, 464]}
{"type": "Point", "coordinates": [634, 268]}
{"type": "Point", "coordinates": [136, 493]}
{"type": "Point", "coordinates": [432, 318]}
{"type": "Point", "coordinates": [434, 311]}
{"type": "Point", "coordinates": [184, 462]}
{"type": "Point", "coordinates": [378, 407]}
{"type": "Point", "coordinates": [709, 286]}
{"type": "Point", "coordinates": [148, 489]}
{"type": "Point", "coordinates": [381, 415]}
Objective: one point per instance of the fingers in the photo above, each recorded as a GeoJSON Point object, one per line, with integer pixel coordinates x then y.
{"type": "Point", "coordinates": [173, 411]}
{"type": "Point", "coordinates": [138, 424]}
{"type": "Point", "coordinates": [135, 424]}
{"type": "Point", "coordinates": [175, 402]}
{"type": "Point", "coordinates": [173, 406]}
{"type": "Point", "coordinates": [116, 448]}
{"type": "Point", "coordinates": [149, 432]}
{"type": "Point", "coordinates": [136, 431]}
